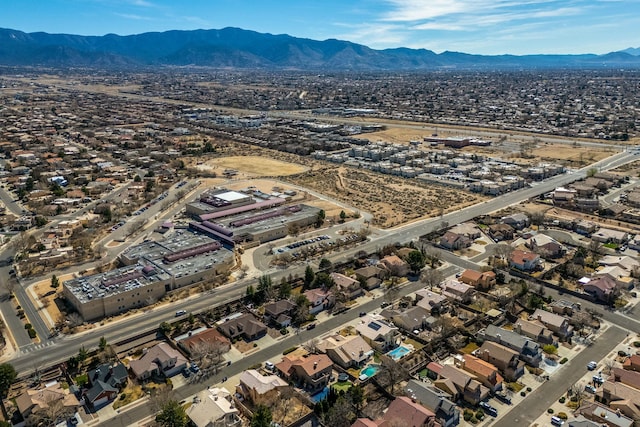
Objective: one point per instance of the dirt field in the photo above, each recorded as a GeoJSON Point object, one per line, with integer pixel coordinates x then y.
{"type": "Point", "coordinates": [46, 294]}
{"type": "Point", "coordinates": [252, 166]}
{"type": "Point", "coordinates": [391, 200]}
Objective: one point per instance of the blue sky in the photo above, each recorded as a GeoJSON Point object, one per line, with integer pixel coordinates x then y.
{"type": "Point", "coordinates": [472, 26]}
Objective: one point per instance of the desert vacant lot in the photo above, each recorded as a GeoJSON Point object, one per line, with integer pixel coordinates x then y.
{"type": "Point", "coordinates": [252, 165]}
{"type": "Point", "coordinates": [391, 200]}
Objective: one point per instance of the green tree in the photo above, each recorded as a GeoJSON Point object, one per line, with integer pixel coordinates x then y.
{"type": "Point", "coordinates": [416, 261]}
{"type": "Point", "coordinates": [137, 178]}
{"type": "Point", "coordinates": [55, 282]}
{"type": "Point", "coordinates": [165, 328]}
{"type": "Point", "coordinates": [82, 354]}
{"type": "Point", "coordinates": [309, 275]}
{"type": "Point", "coordinates": [251, 292]}
{"type": "Point", "coordinates": [172, 414]}
{"type": "Point", "coordinates": [261, 417]}
{"type": "Point", "coordinates": [343, 216]}
{"type": "Point", "coordinates": [285, 289]}
{"type": "Point", "coordinates": [320, 219]}
{"type": "Point", "coordinates": [102, 344]}
{"type": "Point", "coordinates": [325, 264]}
{"type": "Point", "coordinates": [8, 375]}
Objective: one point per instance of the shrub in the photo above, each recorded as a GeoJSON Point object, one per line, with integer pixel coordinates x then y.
{"type": "Point", "coordinates": [479, 414]}
{"type": "Point", "coordinates": [467, 416]}
{"type": "Point", "coordinates": [123, 396]}
{"type": "Point", "coordinates": [622, 353]}
{"type": "Point", "coordinates": [32, 333]}
{"type": "Point", "coordinates": [473, 420]}
{"type": "Point", "coordinates": [289, 350]}
{"type": "Point", "coordinates": [529, 389]}
{"type": "Point", "coordinates": [523, 393]}
{"type": "Point", "coordinates": [550, 349]}
{"type": "Point", "coordinates": [255, 345]}
{"type": "Point", "coordinates": [28, 326]}
{"type": "Point", "coordinates": [564, 360]}
{"type": "Point", "coordinates": [562, 399]}
{"type": "Point", "coordinates": [562, 415]}
{"type": "Point", "coordinates": [636, 343]}
{"type": "Point", "coordinates": [550, 410]}
{"type": "Point", "coordinates": [284, 331]}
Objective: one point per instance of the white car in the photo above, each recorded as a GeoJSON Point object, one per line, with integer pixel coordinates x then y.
{"type": "Point", "coordinates": [269, 366]}
{"type": "Point", "coordinates": [592, 365]}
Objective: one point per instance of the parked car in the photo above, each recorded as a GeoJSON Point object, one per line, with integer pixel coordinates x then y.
{"type": "Point", "coordinates": [194, 367]}
{"type": "Point", "coordinates": [592, 365]}
{"type": "Point", "coordinates": [590, 389]}
{"type": "Point", "coordinates": [503, 397]}
{"type": "Point", "coordinates": [488, 409]}
{"type": "Point", "coordinates": [311, 326]}
{"type": "Point", "coordinates": [557, 421]}
{"type": "Point", "coordinates": [269, 366]}
{"type": "Point", "coordinates": [181, 313]}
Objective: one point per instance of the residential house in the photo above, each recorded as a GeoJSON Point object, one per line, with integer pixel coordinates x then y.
{"type": "Point", "coordinates": [607, 235]}
{"type": "Point", "coordinates": [581, 421]}
{"type": "Point", "coordinates": [350, 351]}
{"type": "Point", "coordinates": [105, 382]}
{"type": "Point", "coordinates": [584, 227]}
{"type": "Point", "coordinates": [518, 220]}
{"type": "Point", "coordinates": [403, 411]}
{"type": "Point", "coordinates": [503, 358]}
{"type": "Point", "coordinates": [528, 351]}
{"type": "Point", "coordinates": [411, 319]}
{"type": "Point", "coordinates": [524, 260]}
{"type": "Point", "coordinates": [207, 338]}
{"type": "Point", "coordinates": [279, 313]}
{"type": "Point", "coordinates": [378, 333]}
{"type": "Point", "coordinates": [431, 301]}
{"type": "Point", "coordinates": [319, 299]}
{"type": "Point", "coordinates": [604, 415]}
{"type": "Point", "coordinates": [461, 384]}
{"type": "Point", "coordinates": [347, 285]}
{"type": "Point", "coordinates": [632, 363]}
{"type": "Point", "coordinates": [480, 280]}
{"type": "Point", "coordinates": [623, 261]}
{"type": "Point", "coordinates": [556, 323]}
{"type": "Point", "coordinates": [243, 326]}
{"type": "Point", "coordinates": [310, 372]}
{"type": "Point", "coordinates": [453, 241]}
{"type": "Point", "coordinates": [468, 230]}
{"type": "Point", "coordinates": [534, 330]}
{"type": "Point", "coordinates": [603, 288]}
{"type": "Point", "coordinates": [546, 246]}
{"type": "Point", "coordinates": [500, 232]}
{"type": "Point", "coordinates": [620, 396]}
{"type": "Point", "coordinates": [620, 275]}
{"type": "Point", "coordinates": [628, 377]}
{"type": "Point", "coordinates": [214, 408]}
{"type": "Point", "coordinates": [406, 412]}
{"type": "Point", "coordinates": [33, 401]}
{"type": "Point", "coordinates": [456, 290]}
{"type": "Point", "coordinates": [483, 371]}
{"type": "Point", "coordinates": [395, 265]}
{"type": "Point", "coordinates": [371, 276]}
{"type": "Point", "coordinates": [259, 389]}
{"type": "Point", "coordinates": [434, 400]}
{"type": "Point", "coordinates": [161, 359]}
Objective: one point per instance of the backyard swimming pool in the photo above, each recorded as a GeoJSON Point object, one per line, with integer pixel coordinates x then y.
{"type": "Point", "coordinates": [398, 352]}
{"type": "Point", "coordinates": [369, 371]}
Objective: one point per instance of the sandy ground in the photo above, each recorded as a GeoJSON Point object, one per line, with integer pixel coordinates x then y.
{"type": "Point", "coordinates": [251, 166]}
{"type": "Point", "coordinates": [46, 295]}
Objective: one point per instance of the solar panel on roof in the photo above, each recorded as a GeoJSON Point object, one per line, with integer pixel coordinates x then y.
{"type": "Point", "coordinates": [375, 326]}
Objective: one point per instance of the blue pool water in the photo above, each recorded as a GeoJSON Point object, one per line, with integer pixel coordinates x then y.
{"type": "Point", "coordinates": [320, 396]}
{"type": "Point", "coordinates": [370, 370]}
{"type": "Point", "coordinates": [398, 352]}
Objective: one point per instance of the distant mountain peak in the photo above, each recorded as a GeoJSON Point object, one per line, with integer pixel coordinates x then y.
{"type": "Point", "coordinates": [233, 47]}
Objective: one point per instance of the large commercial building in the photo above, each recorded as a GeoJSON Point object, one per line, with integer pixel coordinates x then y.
{"type": "Point", "coordinates": [151, 270]}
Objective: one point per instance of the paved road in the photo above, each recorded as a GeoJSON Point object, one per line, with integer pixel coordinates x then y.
{"type": "Point", "coordinates": [538, 401]}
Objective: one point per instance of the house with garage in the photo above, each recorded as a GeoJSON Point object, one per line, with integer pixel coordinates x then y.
{"type": "Point", "coordinates": [160, 360]}
{"type": "Point", "coordinates": [319, 300]}
{"type": "Point", "coordinates": [528, 350]}
{"type": "Point", "coordinates": [104, 384]}
{"type": "Point", "coordinates": [480, 280]}
{"type": "Point", "coordinates": [435, 400]}
{"type": "Point", "coordinates": [214, 407]}
{"type": "Point", "coordinates": [454, 241]}
{"type": "Point", "coordinates": [371, 276]}
{"type": "Point", "coordinates": [506, 360]}
{"type": "Point", "coordinates": [35, 401]}
{"type": "Point", "coordinates": [279, 313]}
{"type": "Point", "coordinates": [524, 260]}
{"type": "Point", "coordinates": [259, 389]}
{"type": "Point", "coordinates": [350, 351]}
{"type": "Point", "coordinates": [379, 334]}
{"type": "Point", "coordinates": [310, 372]}
{"type": "Point", "coordinates": [347, 285]}
{"type": "Point", "coordinates": [242, 326]}
{"type": "Point", "coordinates": [517, 220]}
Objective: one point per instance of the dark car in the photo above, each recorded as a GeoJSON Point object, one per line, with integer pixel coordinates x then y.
{"type": "Point", "coordinates": [363, 313]}
{"type": "Point", "coordinates": [488, 409]}
{"type": "Point", "coordinates": [311, 326]}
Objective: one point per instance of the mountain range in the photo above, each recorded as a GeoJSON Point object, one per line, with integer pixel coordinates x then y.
{"type": "Point", "coordinates": [236, 48]}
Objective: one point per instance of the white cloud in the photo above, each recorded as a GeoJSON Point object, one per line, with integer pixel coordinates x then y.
{"type": "Point", "coordinates": [134, 17]}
